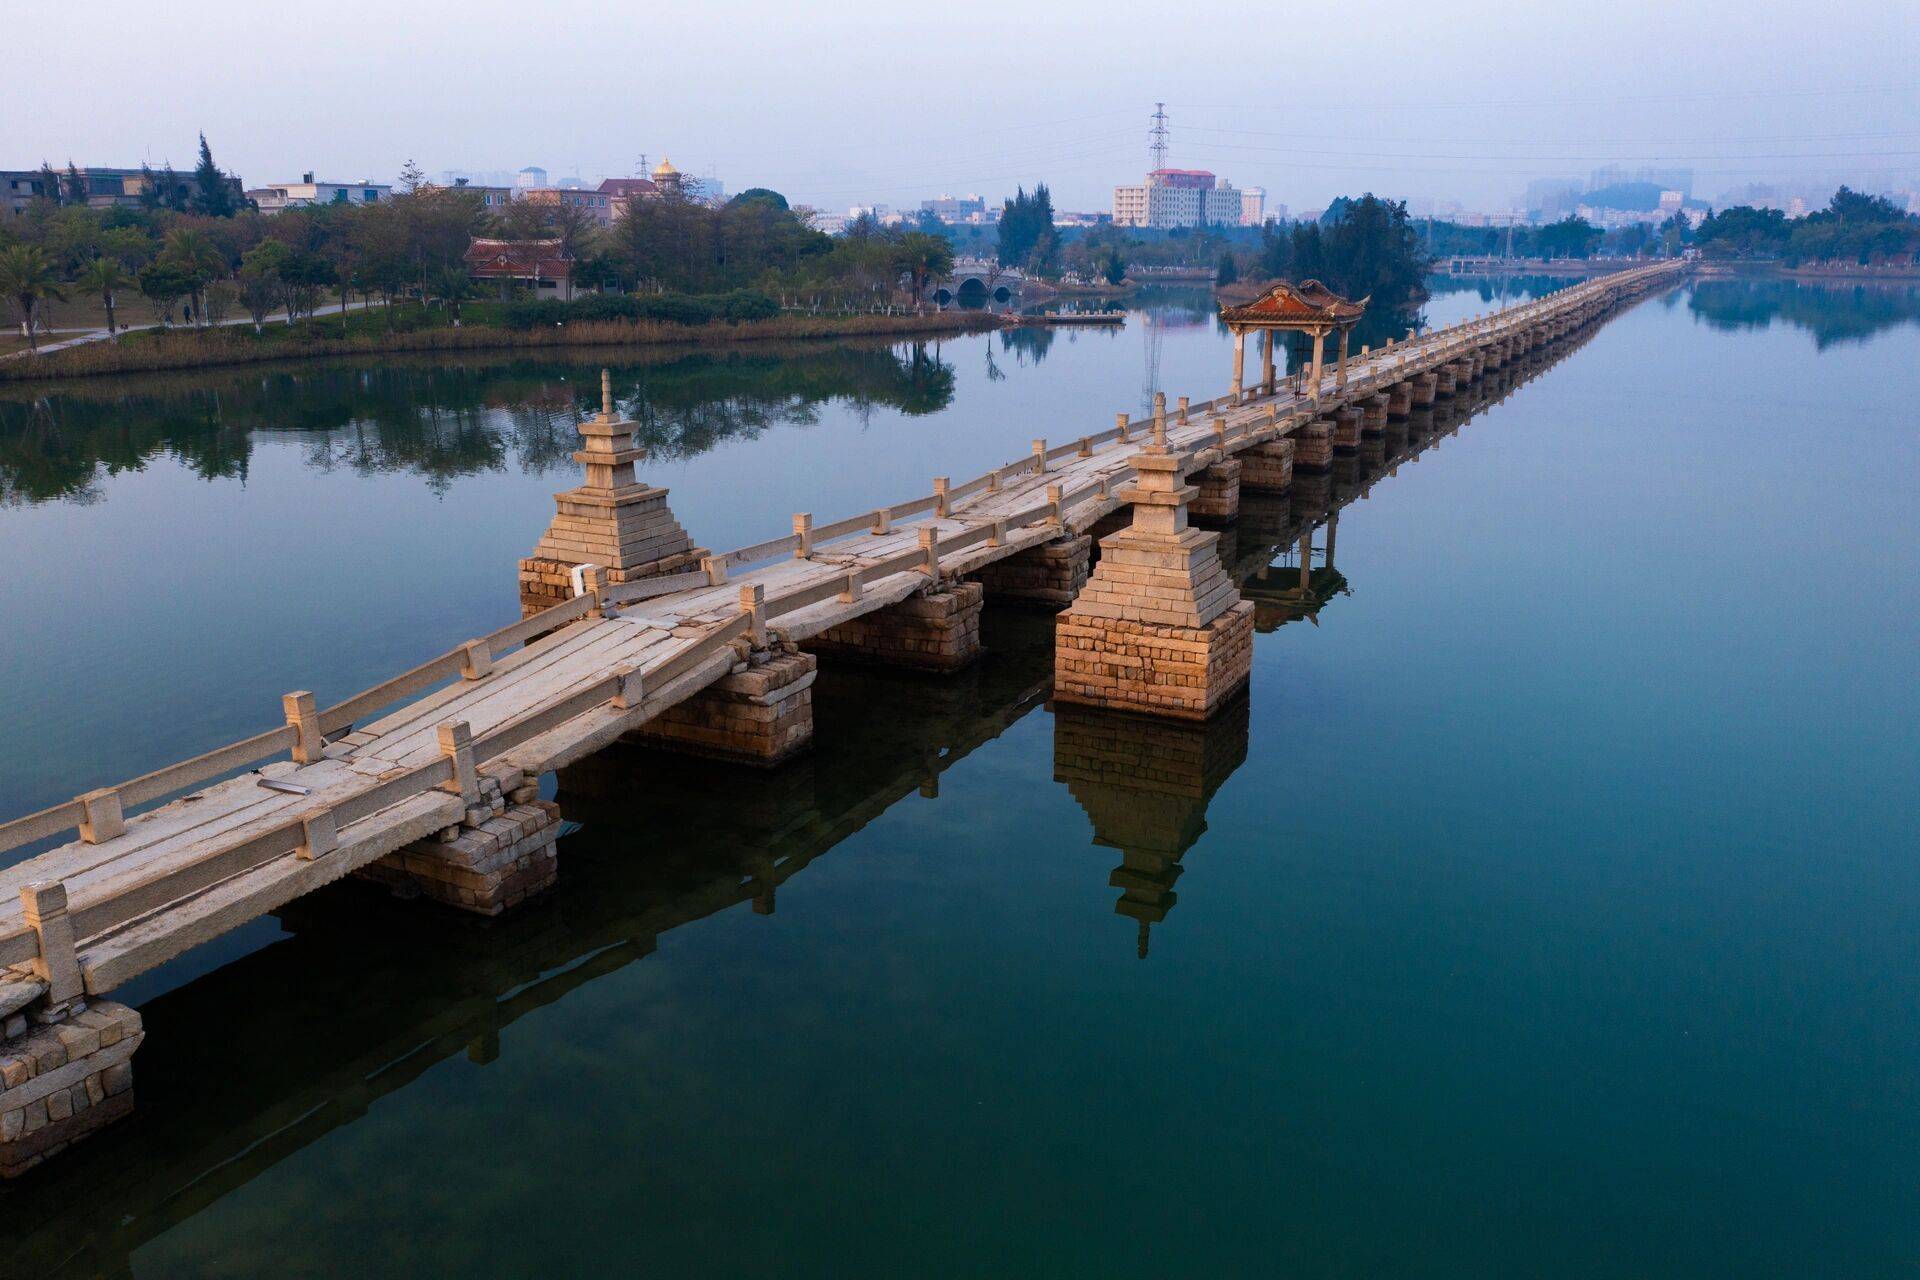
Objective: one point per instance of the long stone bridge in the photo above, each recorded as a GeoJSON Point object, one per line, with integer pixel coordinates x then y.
{"type": "Point", "coordinates": [428, 781]}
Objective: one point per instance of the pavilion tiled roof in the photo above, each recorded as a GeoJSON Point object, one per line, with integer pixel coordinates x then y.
{"type": "Point", "coordinates": [493, 259]}
{"type": "Point", "coordinates": [1308, 302]}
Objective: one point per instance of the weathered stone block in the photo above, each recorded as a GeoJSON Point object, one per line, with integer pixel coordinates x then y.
{"type": "Point", "coordinates": [1047, 576]}
{"type": "Point", "coordinates": [1267, 468]}
{"type": "Point", "coordinates": [937, 631]}
{"type": "Point", "coordinates": [65, 1081]}
{"type": "Point", "coordinates": [761, 716]}
{"type": "Point", "coordinates": [1219, 498]}
{"type": "Point", "coordinates": [486, 869]}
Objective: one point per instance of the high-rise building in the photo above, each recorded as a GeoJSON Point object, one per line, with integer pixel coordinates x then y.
{"type": "Point", "coordinates": [1180, 198]}
{"type": "Point", "coordinates": [530, 177]}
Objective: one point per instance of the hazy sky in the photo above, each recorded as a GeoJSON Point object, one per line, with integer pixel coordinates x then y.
{"type": "Point", "coordinates": [895, 101]}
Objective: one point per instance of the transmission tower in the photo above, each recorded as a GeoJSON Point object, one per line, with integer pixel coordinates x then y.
{"type": "Point", "coordinates": [1157, 136]}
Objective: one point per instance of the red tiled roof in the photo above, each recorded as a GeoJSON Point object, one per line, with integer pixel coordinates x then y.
{"type": "Point", "coordinates": [515, 259]}
{"type": "Point", "coordinates": [1306, 303]}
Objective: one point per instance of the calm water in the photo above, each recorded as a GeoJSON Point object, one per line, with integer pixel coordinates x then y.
{"type": "Point", "coordinates": [1549, 907]}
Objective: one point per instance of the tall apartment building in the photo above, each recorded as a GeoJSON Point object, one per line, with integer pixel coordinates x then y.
{"type": "Point", "coordinates": [1183, 198]}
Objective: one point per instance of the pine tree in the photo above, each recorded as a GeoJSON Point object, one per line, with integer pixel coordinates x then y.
{"type": "Point", "coordinates": [211, 194]}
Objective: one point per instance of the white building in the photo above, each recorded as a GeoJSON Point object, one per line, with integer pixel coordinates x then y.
{"type": "Point", "coordinates": [307, 192]}
{"type": "Point", "coordinates": [530, 177]}
{"type": "Point", "coordinates": [1179, 198]}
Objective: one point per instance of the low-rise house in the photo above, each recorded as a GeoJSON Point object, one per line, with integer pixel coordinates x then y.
{"type": "Point", "coordinates": [306, 192]}
{"type": "Point", "coordinates": [594, 204]}
{"type": "Point", "coordinates": [543, 266]}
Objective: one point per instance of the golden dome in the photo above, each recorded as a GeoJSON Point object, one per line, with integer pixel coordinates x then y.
{"type": "Point", "coordinates": [665, 169]}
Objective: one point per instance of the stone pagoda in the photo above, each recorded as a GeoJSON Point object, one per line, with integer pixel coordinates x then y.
{"type": "Point", "coordinates": [614, 520]}
{"type": "Point", "coordinates": [1159, 627]}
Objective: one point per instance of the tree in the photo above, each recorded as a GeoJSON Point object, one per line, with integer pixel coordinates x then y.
{"type": "Point", "coordinates": [922, 258]}
{"type": "Point", "coordinates": [164, 285]}
{"type": "Point", "coordinates": [104, 278]}
{"type": "Point", "coordinates": [52, 186]}
{"type": "Point", "coordinates": [1675, 233]}
{"type": "Point", "coordinates": [1227, 272]}
{"type": "Point", "coordinates": [131, 247]}
{"type": "Point", "coordinates": [412, 177]}
{"type": "Point", "coordinates": [192, 253]}
{"type": "Point", "coordinates": [261, 286]}
{"type": "Point", "coordinates": [304, 277]}
{"type": "Point", "coordinates": [760, 195]}
{"type": "Point", "coordinates": [212, 194]}
{"type": "Point", "coordinates": [1023, 221]}
{"type": "Point", "coordinates": [76, 193]}
{"type": "Point", "coordinates": [27, 279]}
{"type": "Point", "coordinates": [1116, 267]}
{"type": "Point", "coordinates": [452, 286]}
{"type": "Point", "coordinates": [1373, 251]}
{"type": "Point", "coordinates": [1571, 237]}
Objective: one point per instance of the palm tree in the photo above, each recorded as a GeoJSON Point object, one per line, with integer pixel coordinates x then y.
{"type": "Point", "coordinates": [452, 286]}
{"type": "Point", "coordinates": [27, 276]}
{"type": "Point", "coordinates": [104, 277]}
{"type": "Point", "coordinates": [191, 251]}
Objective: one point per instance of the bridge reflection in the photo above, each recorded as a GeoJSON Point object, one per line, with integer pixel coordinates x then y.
{"type": "Point", "coordinates": [450, 985]}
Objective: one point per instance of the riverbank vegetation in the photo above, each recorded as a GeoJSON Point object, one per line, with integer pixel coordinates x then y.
{"type": "Point", "coordinates": [197, 264]}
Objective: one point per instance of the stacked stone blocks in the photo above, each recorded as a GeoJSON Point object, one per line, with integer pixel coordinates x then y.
{"type": "Point", "coordinates": [1047, 576]}
{"type": "Point", "coordinates": [493, 860]}
{"type": "Point", "coordinates": [1159, 628]}
{"type": "Point", "coordinates": [63, 1081]}
{"type": "Point", "coordinates": [938, 630]}
{"type": "Point", "coordinates": [760, 714]}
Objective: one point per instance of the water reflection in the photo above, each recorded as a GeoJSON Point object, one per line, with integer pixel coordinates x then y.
{"type": "Point", "coordinates": [1832, 312]}
{"type": "Point", "coordinates": [436, 420]}
{"type": "Point", "coordinates": [449, 985]}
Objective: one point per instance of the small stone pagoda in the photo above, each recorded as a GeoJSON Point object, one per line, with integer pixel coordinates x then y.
{"type": "Point", "coordinates": [1159, 627]}
{"type": "Point", "coordinates": [613, 520]}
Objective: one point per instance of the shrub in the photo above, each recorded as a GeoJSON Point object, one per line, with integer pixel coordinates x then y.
{"type": "Point", "coordinates": [666, 308]}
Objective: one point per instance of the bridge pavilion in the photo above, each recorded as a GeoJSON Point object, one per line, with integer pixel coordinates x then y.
{"type": "Point", "coordinates": [1309, 307]}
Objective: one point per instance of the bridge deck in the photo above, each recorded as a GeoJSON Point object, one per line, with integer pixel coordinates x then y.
{"type": "Point", "coordinates": [191, 869]}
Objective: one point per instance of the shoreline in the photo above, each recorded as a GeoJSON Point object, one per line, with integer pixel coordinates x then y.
{"type": "Point", "coordinates": [214, 349]}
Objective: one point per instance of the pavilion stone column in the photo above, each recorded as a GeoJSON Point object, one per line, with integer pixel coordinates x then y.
{"type": "Point", "coordinates": [1318, 366]}
{"type": "Point", "coordinates": [1267, 378]}
{"type": "Point", "coordinates": [1159, 628]}
{"type": "Point", "coordinates": [1340, 374]}
{"type": "Point", "coordinates": [66, 1060]}
{"type": "Point", "coordinates": [613, 520]}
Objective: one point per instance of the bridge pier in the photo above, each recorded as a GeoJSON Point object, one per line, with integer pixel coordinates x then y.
{"type": "Point", "coordinates": [938, 630]}
{"type": "Point", "coordinates": [1400, 399]}
{"type": "Point", "coordinates": [502, 852]}
{"type": "Point", "coordinates": [1267, 468]}
{"type": "Point", "coordinates": [1313, 445]}
{"type": "Point", "coordinates": [1159, 628]}
{"type": "Point", "coordinates": [1048, 576]}
{"type": "Point", "coordinates": [1218, 500]}
{"type": "Point", "coordinates": [1346, 428]}
{"type": "Point", "coordinates": [1373, 416]}
{"type": "Point", "coordinates": [65, 1074]}
{"type": "Point", "coordinates": [761, 714]}
{"type": "Point", "coordinates": [1425, 387]}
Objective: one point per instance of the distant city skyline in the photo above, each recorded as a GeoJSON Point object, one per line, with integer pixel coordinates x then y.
{"type": "Point", "coordinates": [826, 107]}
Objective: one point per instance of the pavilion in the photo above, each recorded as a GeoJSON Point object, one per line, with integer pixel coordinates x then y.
{"type": "Point", "coordinates": [1309, 307]}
